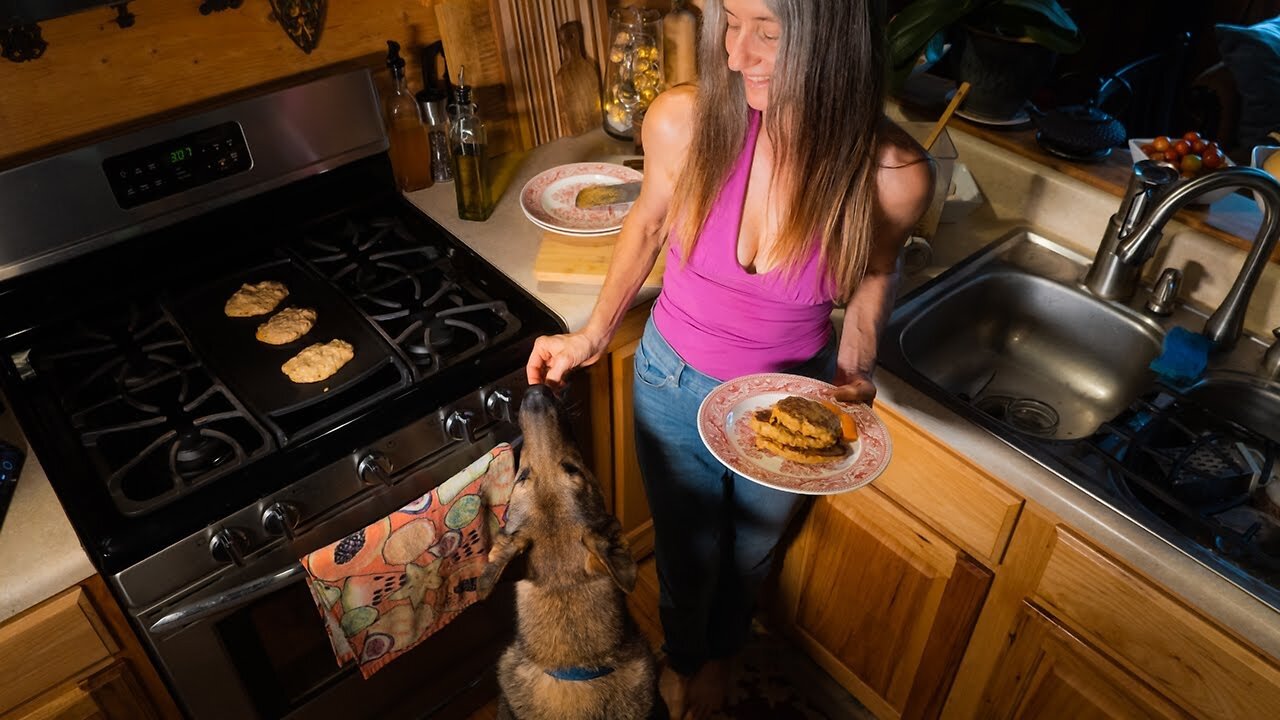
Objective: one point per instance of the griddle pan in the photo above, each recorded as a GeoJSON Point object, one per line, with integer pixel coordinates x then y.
{"type": "Point", "coordinates": [252, 368]}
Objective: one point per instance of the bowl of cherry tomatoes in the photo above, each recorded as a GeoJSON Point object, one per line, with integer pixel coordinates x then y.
{"type": "Point", "coordinates": [1190, 154]}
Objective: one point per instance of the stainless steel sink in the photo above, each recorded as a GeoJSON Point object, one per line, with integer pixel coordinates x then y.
{"type": "Point", "coordinates": [1011, 333]}
{"type": "Point", "coordinates": [1241, 398]}
{"type": "Point", "coordinates": [1044, 357]}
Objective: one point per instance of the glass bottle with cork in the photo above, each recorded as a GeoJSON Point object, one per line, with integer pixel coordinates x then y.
{"type": "Point", "coordinates": [410, 150]}
{"type": "Point", "coordinates": [469, 146]}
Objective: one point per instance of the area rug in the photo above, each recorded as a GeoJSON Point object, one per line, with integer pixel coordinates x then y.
{"type": "Point", "coordinates": [776, 681]}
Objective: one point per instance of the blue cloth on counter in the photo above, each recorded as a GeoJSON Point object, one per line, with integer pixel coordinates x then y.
{"type": "Point", "coordinates": [1183, 358]}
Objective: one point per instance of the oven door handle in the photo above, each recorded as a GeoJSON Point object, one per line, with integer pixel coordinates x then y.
{"type": "Point", "coordinates": [236, 597]}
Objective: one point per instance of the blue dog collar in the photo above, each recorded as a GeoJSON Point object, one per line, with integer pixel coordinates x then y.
{"type": "Point", "coordinates": [579, 673]}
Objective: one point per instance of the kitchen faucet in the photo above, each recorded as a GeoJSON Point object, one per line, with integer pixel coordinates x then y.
{"type": "Point", "coordinates": [1153, 196]}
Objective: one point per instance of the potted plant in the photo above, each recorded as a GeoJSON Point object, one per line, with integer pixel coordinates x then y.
{"type": "Point", "coordinates": [1007, 47]}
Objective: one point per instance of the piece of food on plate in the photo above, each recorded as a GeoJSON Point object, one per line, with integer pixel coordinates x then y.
{"type": "Point", "coordinates": [318, 362]}
{"type": "Point", "coordinates": [286, 326]}
{"type": "Point", "coordinates": [809, 456]}
{"type": "Point", "coordinates": [801, 430]}
{"type": "Point", "coordinates": [253, 299]}
{"type": "Point", "coordinates": [807, 417]}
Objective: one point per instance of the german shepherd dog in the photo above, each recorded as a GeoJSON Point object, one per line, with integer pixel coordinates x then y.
{"type": "Point", "coordinates": [577, 654]}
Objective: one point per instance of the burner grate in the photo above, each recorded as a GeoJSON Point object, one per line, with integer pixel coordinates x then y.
{"type": "Point", "coordinates": [157, 425]}
{"type": "Point", "coordinates": [408, 285]}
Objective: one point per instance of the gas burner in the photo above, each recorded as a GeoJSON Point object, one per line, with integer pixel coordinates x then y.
{"type": "Point", "coordinates": [369, 256]}
{"type": "Point", "coordinates": [196, 452]}
{"type": "Point", "coordinates": [411, 289]}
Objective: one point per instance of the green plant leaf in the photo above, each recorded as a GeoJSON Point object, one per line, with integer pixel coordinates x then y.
{"type": "Point", "coordinates": [912, 29]}
{"type": "Point", "coordinates": [1043, 21]}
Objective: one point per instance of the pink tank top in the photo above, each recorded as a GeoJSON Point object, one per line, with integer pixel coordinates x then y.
{"type": "Point", "coordinates": [727, 322]}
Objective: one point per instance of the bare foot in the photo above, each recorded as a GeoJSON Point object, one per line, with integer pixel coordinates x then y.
{"type": "Point", "coordinates": [674, 688]}
{"type": "Point", "coordinates": [707, 691]}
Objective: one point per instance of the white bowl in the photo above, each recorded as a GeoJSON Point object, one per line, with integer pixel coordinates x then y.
{"type": "Point", "coordinates": [1260, 155]}
{"type": "Point", "coordinates": [1135, 150]}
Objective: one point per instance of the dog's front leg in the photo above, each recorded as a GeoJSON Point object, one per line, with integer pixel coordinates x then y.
{"type": "Point", "coordinates": [504, 549]}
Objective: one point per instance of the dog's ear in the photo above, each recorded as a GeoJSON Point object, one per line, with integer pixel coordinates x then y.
{"type": "Point", "coordinates": [610, 553]}
{"type": "Point", "coordinates": [504, 549]}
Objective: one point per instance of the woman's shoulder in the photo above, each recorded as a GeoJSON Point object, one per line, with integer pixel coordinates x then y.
{"type": "Point", "coordinates": [897, 148]}
{"type": "Point", "coordinates": [668, 129]}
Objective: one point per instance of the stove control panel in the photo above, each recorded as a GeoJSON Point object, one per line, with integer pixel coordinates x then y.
{"type": "Point", "coordinates": [167, 168]}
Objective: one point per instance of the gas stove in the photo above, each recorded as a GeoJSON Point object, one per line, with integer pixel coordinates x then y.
{"type": "Point", "coordinates": [193, 469]}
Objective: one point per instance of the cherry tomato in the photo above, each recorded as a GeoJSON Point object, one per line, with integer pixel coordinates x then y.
{"type": "Point", "coordinates": [1198, 146]}
{"type": "Point", "coordinates": [1148, 148]}
{"type": "Point", "coordinates": [1182, 147]}
{"type": "Point", "coordinates": [1156, 155]}
{"type": "Point", "coordinates": [1161, 143]}
{"type": "Point", "coordinates": [1191, 136]}
{"type": "Point", "coordinates": [1213, 159]}
{"type": "Point", "coordinates": [1191, 163]}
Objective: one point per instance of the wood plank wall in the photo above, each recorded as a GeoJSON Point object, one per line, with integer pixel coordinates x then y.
{"type": "Point", "coordinates": [96, 79]}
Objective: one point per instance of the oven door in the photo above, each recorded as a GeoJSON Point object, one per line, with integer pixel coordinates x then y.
{"type": "Point", "coordinates": [252, 644]}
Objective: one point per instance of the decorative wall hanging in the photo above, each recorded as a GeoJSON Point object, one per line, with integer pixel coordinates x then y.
{"type": "Point", "coordinates": [302, 20]}
{"type": "Point", "coordinates": [213, 6]}
{"type": "Point", "coordinates": [19, 43]}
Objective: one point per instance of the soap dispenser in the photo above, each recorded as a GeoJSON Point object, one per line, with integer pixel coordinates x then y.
{"type": "Point", "coordinates": [470, 150]}
{"type": "Point", "coordinates": [410, 147]}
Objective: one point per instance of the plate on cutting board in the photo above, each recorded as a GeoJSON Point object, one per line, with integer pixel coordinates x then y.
{"type": "Point", "coordinates": [723, 426]}
{"type": "Point", "coordinates": [548, 198]}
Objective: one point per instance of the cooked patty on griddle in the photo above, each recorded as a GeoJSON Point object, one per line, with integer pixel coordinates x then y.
{"type": "Point", "coordinates": [253, 299]}
{"type": "Point", "coordinates": [286, 326]}
{"type": "Point", "coordinates": [318, 362]}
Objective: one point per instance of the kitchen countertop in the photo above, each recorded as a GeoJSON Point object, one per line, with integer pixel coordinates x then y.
{"type": "Point", "coordinates": [40, 554]}
{"type": "Point", "coordinates": [510, 241]}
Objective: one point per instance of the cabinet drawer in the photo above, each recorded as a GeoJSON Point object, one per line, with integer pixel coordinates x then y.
{"type": "Point", "coordinates": [950, 493]}
{"type": "Point", "coordinates": [49, 644]}
{"type": "Point", "coordinates": [1176, 651]}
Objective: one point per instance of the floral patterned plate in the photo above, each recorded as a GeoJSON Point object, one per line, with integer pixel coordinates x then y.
{"type": "Point", "coordinates": [548, 198]}
{"type": "Point", "coordinates": [722, 423]}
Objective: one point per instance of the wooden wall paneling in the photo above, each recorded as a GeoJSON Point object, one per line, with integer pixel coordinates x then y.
{"type": "Point", "coordinates": [533, 54]}
{"type": "Point", "coordinates": [97, 79]}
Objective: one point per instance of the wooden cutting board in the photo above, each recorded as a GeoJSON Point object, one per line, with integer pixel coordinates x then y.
{"type": "Point", "coordinates": [578, 264]}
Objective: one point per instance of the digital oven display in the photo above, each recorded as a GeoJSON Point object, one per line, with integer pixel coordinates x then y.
{"type": "Point", "coordinates": [163, 169]}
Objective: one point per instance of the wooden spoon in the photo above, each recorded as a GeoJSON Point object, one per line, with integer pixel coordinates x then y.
{"type": "Point", "coordinates": [958, 98]}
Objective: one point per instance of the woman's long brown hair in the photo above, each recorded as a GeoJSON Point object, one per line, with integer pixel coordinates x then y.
{"type": "Point", "coordinates": [826, 101]}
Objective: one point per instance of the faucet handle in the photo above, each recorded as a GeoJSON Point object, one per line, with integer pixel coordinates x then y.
{"type": "Point", "coordinates": [1165, 292]}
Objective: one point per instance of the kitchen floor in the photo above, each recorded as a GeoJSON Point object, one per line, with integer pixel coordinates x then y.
{"type": "Point", "coordinates": [776, 681]}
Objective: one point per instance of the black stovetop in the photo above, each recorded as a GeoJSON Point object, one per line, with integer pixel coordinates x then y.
{"type": "Point", "coordinates": [149, 422]}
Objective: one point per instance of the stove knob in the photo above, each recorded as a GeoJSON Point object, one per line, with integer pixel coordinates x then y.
{"type": "Point", "coordinates": [375, 468]}
{"type": "Point", "coordinates": [499, 405]}
{"type": "Point", "coordinates": [459, 425]}
{"type": "Point", "coordinates": [229, 545]}
{"type": "Point", "coordinates": [281, 518]}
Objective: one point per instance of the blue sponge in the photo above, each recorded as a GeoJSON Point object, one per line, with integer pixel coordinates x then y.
{"type": "Point", "coordinates": [1183, 358]}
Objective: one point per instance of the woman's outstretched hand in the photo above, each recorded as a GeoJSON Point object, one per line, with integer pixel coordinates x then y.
{"type": "Point", "coordinates": [855, 387]}
{"type": "Point", "coordinates": [554, 356]}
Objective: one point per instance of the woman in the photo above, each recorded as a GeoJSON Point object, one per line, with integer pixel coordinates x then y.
{"type": "Point", "coordinates": [781, 189]}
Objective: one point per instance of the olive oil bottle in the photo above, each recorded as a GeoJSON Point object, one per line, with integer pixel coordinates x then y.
{"type": "Point", "coordinates": [470, 156]}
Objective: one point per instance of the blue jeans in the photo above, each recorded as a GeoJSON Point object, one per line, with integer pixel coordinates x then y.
{"type": "Point", "coordinates": [714, 531]}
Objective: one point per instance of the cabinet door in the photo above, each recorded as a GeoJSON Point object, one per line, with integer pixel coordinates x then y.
{"type": "Point", "coordinates": [1048, 672]}
{"type": "Point", "coordinates": [882, 602]}
{"type": "Point", "coordinates": [110, 694]}
{"type": "Point", "coordinates": [629, 502]}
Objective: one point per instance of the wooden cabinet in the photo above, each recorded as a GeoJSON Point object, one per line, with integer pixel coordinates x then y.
{"type": "Point", "coordinates": [1047, 671]}
{"type": "Point", "coordinates": [73, 656]}
{"type": "Point", "coordinates": [613, 432]}
{"type": "Point", "coordinates": [883, 602]}
{"type": "Point", "coordinates": [1068, 623]}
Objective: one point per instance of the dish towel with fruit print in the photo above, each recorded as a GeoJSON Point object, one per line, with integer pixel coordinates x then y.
{"type": "Point", "coordinates": [386, 588]}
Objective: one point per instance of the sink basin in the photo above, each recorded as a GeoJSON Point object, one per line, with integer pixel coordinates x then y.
{"type": "Point", "coordinates": [1243, 399]}
{"type": "Point", "coordinates": [1043, 357]}
{"type": "Point", "coordinates": [1010, 333]}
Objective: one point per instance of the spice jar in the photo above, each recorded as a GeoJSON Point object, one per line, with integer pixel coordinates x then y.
{"type": "Point", "coordinates": [635, 76]}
